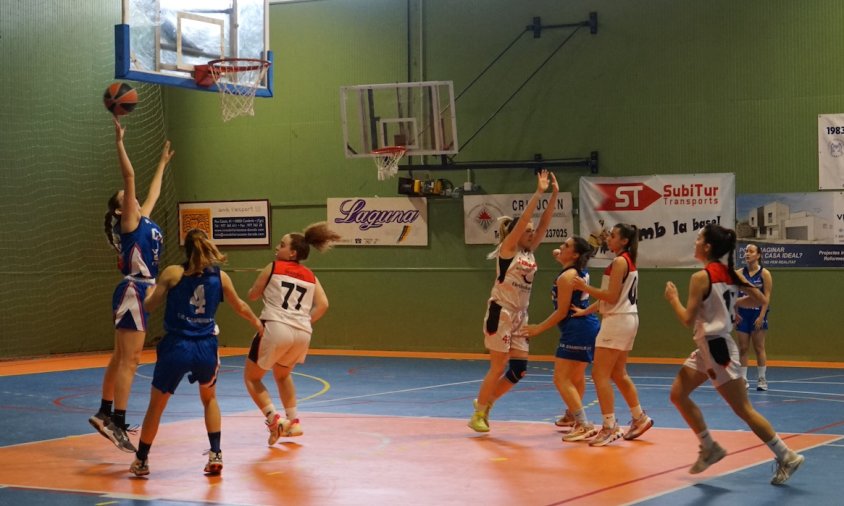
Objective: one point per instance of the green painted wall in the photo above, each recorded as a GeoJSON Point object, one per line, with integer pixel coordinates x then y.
{"type": "Point", "coordinates": [664, 87]}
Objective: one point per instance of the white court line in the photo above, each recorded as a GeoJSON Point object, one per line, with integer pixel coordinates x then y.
{"type": "Point", "coordinates": [690, 485]}
{"type": "Point", "coordinates": [390, 392]}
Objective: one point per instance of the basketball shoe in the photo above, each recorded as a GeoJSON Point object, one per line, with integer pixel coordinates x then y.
{"type": "Point", "coordinates": [215, 463]}
{"type": "Point", "coordinates": [580, 432]}
{"type": "Point", "coordinates": [785, 468]}
{"type": "Point", "coordinates": [706, 457]}
{"type": "Point", "coordinates": [607, 435]}
{"type": "Point", "coordinates": [139, 467]}
{"type": "Point", "coordinates": [638, 427]}
{"type": "Point", "coordinates": [118, 435]}
{"type": "Point", "coordinates": [567, 420]}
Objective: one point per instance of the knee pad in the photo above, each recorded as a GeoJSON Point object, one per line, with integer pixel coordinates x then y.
{"type": "Point", "coordinates": [517, 371]}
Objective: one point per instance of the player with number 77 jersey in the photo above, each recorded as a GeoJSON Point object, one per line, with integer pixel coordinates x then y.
{"type": "Point", "coordinates": [293, 300]}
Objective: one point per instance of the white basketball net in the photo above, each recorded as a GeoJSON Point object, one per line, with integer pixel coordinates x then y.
{"type": "Point", "coordinates": [387, 161]}
{"type": "Point", "coordinates": [237, 81]}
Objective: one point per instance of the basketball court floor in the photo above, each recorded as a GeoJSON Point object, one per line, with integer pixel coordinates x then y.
{"type": "Point", "coordinates": [392, 430]}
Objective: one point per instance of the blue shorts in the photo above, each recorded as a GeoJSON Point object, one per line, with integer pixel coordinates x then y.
{"type": "Point", "coordinates": [577, 339]}
{"type": "Point", "coordinates": [127, 305]}
{"type": "Point", "coordinates": [178, 356]}
{"type": "Point", "coordinates": [748, 317]}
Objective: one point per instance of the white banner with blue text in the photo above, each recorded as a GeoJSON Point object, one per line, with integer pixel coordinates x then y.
{"type": "Point", "coordinates": [830, 151]}
{"type": "Point", "coordinates": [481, 213]}
{"type": "Point", "coordinates": [375, 221]}
{"type": "Point", "coordinates": [668, 210]}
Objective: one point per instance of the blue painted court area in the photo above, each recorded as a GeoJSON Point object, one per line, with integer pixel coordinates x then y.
{"type": "Point", "coordinates": [38, 407]}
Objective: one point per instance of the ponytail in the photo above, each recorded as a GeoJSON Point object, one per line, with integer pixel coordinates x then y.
{"type": "Point", "coordinates": [723, 242]}
{"type": "Point", "coordinates": [631, 233]}
{"type": "Point", "coordinates": [317, 235]}
{"type": "Point", "coordinates": [506, 224]}
{"type": "Point", "coordinates": [201, 253]}
{"type": "Point", "coordinates": [112, 222]}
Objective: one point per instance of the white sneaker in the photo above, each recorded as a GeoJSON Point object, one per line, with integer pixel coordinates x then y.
{"type": "Point", "coordinates": [567, 420]}
{"type": "Point", "coordinates": [785, 468]}
{"type": "Point", "coordinates": [580, 432]}
{"type": "Point", "coordinates": [290, 428]}
{"type": "Point", "coordinates": [638, 427]}
{"type": "Point", "coordinates": [607, 435]}
{"type": "Point", "coordinates": [762, 385]}
{"type": "Point", "coordinates": [707, 457]}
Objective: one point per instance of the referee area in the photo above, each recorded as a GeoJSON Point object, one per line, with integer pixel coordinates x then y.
{"type": "Point", "coordinates": [382, 428]}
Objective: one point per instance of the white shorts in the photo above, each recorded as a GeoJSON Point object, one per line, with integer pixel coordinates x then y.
{"type": "Point", "coordinates": [618, 331]}
{"type": "Point", "coordinates": [504, 329]}
{"type": "Point", "coordinates": [281, 344]}
{"type": "Point", "coordinates": [702, 361]}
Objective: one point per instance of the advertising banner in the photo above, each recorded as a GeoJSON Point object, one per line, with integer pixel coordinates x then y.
{"type": "Point", "coordinates": [228, 222]}
{"type": "Point", "coordinates": [668, 210]}
{"type": "Point", "coordinates": [481, 213]}
{"type": "Point", "coordinates": [792, 229]}
{"type": "Point", "coordinates": [375, 221]}
{"type": "Point", "coordinates": [830, 151]}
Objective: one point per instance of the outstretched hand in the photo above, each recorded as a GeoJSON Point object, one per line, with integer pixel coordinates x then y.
{"type": "Point", "coordinates": [555, 187]}
{"type": "Point", "coordinates": [542, 181]}
{"type": "Point", "coordinates": [119, 129]}
{"type": "Point", "coordinates": [167, 153]}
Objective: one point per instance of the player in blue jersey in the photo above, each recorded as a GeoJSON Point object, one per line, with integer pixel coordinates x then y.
{"type": "Point", "coordinates": [139, 244]}
{"type": "Point", "coordinates": [577, 334]}
{"type": "Point", "coordinates": [507, 306]}
{"type": "Point", "coordinates": [710, 310]}
{"type": "Point", "coordinates": [194, 291]}
{"type": "Point", "coordinates": [752, 325]}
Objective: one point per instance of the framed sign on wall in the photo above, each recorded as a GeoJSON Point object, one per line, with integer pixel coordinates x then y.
{"type": "Point", "coordinates": [228, 222]}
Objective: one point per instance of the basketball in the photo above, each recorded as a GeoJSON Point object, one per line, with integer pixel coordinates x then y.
{"type": "Point", "coordinates": [120, 98]}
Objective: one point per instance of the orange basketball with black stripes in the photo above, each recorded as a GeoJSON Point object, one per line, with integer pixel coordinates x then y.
{"type": "Point", "coordinates": [120, 98]}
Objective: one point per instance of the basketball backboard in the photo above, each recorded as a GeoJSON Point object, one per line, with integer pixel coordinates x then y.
{"type": "Point", "coordinates": [419, 116]}
{"type": "Point", "coordinates": [160, 41]}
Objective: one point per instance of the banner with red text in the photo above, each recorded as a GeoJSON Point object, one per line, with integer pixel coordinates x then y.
{"type": "Point", "coordinates": [668, 211]}
{"type": "Point", "coordinates": [375, 221]}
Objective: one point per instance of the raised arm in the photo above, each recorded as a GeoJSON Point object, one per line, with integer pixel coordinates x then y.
{"type": "Point", "coordinates": [547, 215]}
{"type": "Point", "coordinates": [155, 185]}
{"type": "Point", "coordinates": [320, 303]}
{"type": "Point", "coordinates": [257, 289]}
{"type": "Point", "coordinates": [130, 212]}
{"type": "Point", "coordinates": [240, 307]}
{"type": "Point", "coordinates": [511, 242]}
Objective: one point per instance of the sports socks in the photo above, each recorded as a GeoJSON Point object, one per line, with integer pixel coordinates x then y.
{"type": "Point", "coordinates": [761, 370]}
{"type": "Point", "coordinates": [580, 416]}
{"type": "Point", "coordinates": [609, 420]}
{"type": "Point", "coordinates": [778, 446]}
{"type": "Point", "coordinates": [291, 413]}
{"type": "Point", "coordinates": [214, 439]}
{"type": "Point", "coordinates": [269, 412]}
{"type": "Point", "coordinates": [143, 450]}
{"type": "Point", "coordinates": [743, 372]}
{"type": "Point", "coordinates": [705, 438]}
{"type": "Point", "coordinates": [636, 411]}
{"type": "Point", "coordinates": [105, 406]}
{"type": "Point", "coordinates": [119, 417]}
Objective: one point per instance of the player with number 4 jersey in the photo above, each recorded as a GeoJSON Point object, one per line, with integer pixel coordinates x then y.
{"type": "Point", "coordinates": [293, 301]}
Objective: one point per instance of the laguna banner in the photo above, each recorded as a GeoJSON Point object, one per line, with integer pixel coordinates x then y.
{"type": "Point", "coordinates": [830, 151]}
{"type": "Point", "coordinates": [668, 210]}
{"type": "Point", "coordinates": [374, 221]}
{"type": "Point", "coordinates": [792, 229]}
{"type": "Point", "coordinates": [481, 213]}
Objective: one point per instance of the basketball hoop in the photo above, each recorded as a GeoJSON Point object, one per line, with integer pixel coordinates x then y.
{"type": "Point", "coordinates": [387, 160]}
{"type": "Point", "coordinates": [237, 80]}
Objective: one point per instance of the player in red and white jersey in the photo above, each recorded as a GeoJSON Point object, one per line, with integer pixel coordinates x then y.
{"type": "Point", "coordinates": [618, 305]}
{"type": "Point", "coordinates": [710, 308]}
{"type": "Point", "coordinates": [506, 313]}
{"type": "Point", "coordinates": [293, 301]}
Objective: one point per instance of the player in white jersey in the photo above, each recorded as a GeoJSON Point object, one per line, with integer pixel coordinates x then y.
{"type": "Point", "coordinates": [507, 306]}
{"type": "Point", "coordinates": [710, 308]}
{"type": "Point", "coordinates": [138, 242]}
{"type": "Point", "coordinates": [617, 303]}
{"type": "Point", "coordinates": [753, 323]}
{"type": "Point", "coordinates": [293, 301]}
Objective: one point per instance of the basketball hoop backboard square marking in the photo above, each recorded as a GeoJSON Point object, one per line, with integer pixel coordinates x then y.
{"type": "Point", "coordinates": [420, 116]}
